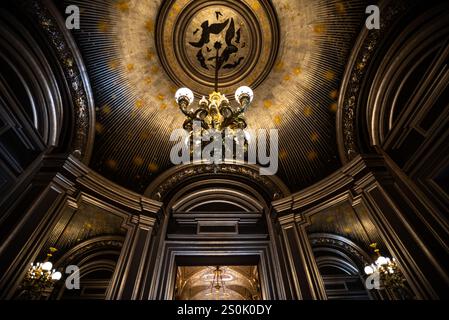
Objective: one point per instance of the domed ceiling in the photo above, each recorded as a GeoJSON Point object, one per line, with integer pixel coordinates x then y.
{"type": "Point", "coordinates": [292, 53]}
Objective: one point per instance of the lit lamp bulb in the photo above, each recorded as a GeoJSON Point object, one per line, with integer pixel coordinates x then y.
{"type": "Point", "coordinates": [381, 261]}
{"type": "Point", "coordinates": [369, 270]}
{"type": "Point", "coordinates": [56, 276]}
{"type": "Point", "coordinates": [184, 94]}
{"type": "Point", "coordinates": [244, 92]}
{"type": "Point", "coordinates": [47, 266]}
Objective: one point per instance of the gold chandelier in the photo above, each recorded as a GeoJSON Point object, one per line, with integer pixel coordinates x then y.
{"type": "Point", "coordinates": [217, 279]}
{"type": "Point", "coordinates": [387, 270]}
{"type": "Point", "coordinates": [43, 272]}
{"type": "Point", "coordinates": [215, 112]}
{"type": "Point", "coordinates": [39, 278]}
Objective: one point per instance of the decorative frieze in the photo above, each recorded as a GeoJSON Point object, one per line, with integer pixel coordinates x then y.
{"type": "Point", "coordinates": [355, 77]}
{"type": "Point", "coordinates": [81, 143]}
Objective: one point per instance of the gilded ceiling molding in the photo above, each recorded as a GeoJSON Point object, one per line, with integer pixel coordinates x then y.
{"type": "Point", "coordinates": [355, 75]}
{"type": "Point", "coordinates": [175, 176]}
{"type": "Point", "coordinates": [75, 73]}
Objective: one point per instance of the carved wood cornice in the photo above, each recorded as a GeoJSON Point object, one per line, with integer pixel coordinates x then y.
{"type": "Point", "coordinates": [94, 184]}
{"type": "Point", "coordinates": [343, 179]}
{"type": "Point", "coordinates": [175, 176]}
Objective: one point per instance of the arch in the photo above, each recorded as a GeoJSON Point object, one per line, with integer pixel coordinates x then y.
{"type": "Point", "coordinates": [402, 109]}
{"type": "Point", "coordinates": [340, 262]}
{"type": "Point", "coordinates": [46, 104]}
{"type": "Point", "coordinates": [74, 77]}
{"type": "Point", "coordinates": [380, 68]}
{"type": "Point", "coordinates": [170, 181]}
{"type": "Point", "coordinates": [342, 246]}
{"type": "Point", "coordinates": [42, 79]}
{"type": "Point", "coordinates": [190, 198]}
{"type": "Point", "coordinates": [96, 259]}
{"type": "Point", "coordinates": [28, 83]}
{"type": "Point", "coordinates": [406, 65]}
{"type": "Point", "coordinates": [336, 263]}
{"type": "Point", "coordinates": [89, 248]}
{"type": "Point", "coordinates": [217, 215]}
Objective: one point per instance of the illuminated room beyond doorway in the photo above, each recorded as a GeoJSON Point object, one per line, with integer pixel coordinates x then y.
{"type": "Point", "coordinates": [217, 283]}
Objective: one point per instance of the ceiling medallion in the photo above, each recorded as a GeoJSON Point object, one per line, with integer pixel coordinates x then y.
{"type": "Point", "coordinates": [186, 33]}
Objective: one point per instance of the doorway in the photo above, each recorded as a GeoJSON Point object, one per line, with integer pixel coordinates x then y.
{"type": "Point", "coordinates": [217, 283]}
{"type": "Point", "coordinates": [220, 225]}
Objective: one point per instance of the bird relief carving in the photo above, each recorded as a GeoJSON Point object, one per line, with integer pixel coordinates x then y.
{"type": "Point", "coordinates": [229, 57]}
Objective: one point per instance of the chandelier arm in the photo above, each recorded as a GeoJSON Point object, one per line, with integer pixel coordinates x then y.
{"type": "Point", "coordinates": [245, 102]}
{"type": "Point", "coordinates": [239, 111]}
{"type": "Point", "coordinates": [227, 122]}
{"type": "Point", "coordinates": [205, 125]}
{"type": "Point", "coordinates": [183, 104]}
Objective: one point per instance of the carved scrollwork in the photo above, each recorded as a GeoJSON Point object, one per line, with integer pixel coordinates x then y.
{"type": "Point", "coordinates": [342, 244]}
{"type": "Point", "coordinates": [81, 250]}
{"type": "Point", "coordinates": [357, 74]}
{"type": "Point", "coordinates": [160, 190]}
{"type": "Point", "coordinates": [83, 116]}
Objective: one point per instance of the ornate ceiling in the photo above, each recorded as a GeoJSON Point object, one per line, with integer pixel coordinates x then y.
{"type": "Point", "coordinates": [186, 32]}
{"type": "Point", "coordinates": [240, 282]}
{"type": "Point", "coordinates": [292, 53]}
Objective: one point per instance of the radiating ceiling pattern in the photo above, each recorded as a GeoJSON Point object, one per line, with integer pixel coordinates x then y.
{"type": "Point", "coordinates": [295, 93]}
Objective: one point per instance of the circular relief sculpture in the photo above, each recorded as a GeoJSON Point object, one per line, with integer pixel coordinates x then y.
{"type": "Point", "coordinates": [193, 38]}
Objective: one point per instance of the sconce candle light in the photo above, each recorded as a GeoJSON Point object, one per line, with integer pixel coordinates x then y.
{"type": "Point", "coordinates": [388, 272]}
{"type": "Point", "coordinates": [40, 277]}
